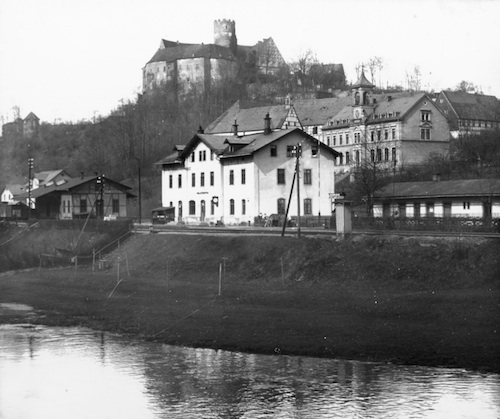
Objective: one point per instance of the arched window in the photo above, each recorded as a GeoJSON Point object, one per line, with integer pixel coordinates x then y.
{"type": "Point", "coordinates": [180, 209]}
{"type": "Point", "coordinates": [192, 208]}
{"type": "Point", "coordinates": [357, 156]}
{"type": "Point", "coordinates": [243, 207]}
{"type": "Point", "coordinates": [231, 206]}
{"type": "Point", "coordinates": [356, 98]}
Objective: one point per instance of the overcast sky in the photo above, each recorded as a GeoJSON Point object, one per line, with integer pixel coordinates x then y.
{"type": "Point", "coordinates": [67, 60]}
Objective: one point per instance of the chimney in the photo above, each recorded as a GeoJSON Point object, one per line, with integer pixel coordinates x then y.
{"type": "Point", "coordinates": [200, 130]}
{"type": "Point", "coordinates": [235, 128]}
{"type": "Point", "coordinates": [267, 124]}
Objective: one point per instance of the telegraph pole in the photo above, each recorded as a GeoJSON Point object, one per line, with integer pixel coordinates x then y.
{"type": "Point", "coordinates": [30, 167]}
{"type": "Point", "coordinates": [298, 153]}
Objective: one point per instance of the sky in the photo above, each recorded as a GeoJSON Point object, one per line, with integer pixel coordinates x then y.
{"type": "Point", "coordinates": [69, 61]}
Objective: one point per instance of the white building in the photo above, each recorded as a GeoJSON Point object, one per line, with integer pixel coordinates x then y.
{"type": "Point", "coordinates": [233, 179]}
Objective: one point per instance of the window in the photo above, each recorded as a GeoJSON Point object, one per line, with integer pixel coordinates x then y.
{"type": "Point", "coordinates": [357, 137]}
{"type": "Point", "coordinates": [192, 156]}
{"type": "Point", "coordinates": [425, 115]}
{"type": "Point", "coordinates": [386, 154]}
{"type": "Point", "coordinates": [116, 206]}
{"type": "Point", "coordinates": [202, 179]}
{"type": "Point", "coordinates": [192, 208]}
{"type": "Point", "coordinates": [231, 177]}
{"type": "Point", "coordinates": [393, 136]}
{"type": "Point", "coordinates": [307, 206]}
{"type": "Point", "coordinates": [372, 155]}
{"type": "Point", "coordinates": [430, 209]}
{"type": "Point", "coordinates": [274, 150]}
{"type": "Point", "coordinates": [466, 205]}
{"type": "Point", "coordinates": [243, 207]}
{"type": "Point", "coordinates": [341, 159]}
{"type": "Point", "coordinates": [281, 206]}
{"type": "Point", "coordinates": [307, 176]}
{"type": "Point", "coordinates": [340, 139]}
{"type": "Point", "coordinates": [386, 134]}
{"type": "Point", "coordinates": [231, 206]}
{"type": "Point", "coordinates": [83, 205]}
{"type": "Point", "coordinates": [425, 133]}
{"type": "Point", "coordinates": [357, 156]}
{"type": "Point", "coordinates": [212, 178]}
{"type": "Point", "coordinates": [379, 134]}
{"type": "Point", "coordinates": [179, 181]}
{"type": "Point", "coordinates": [314, 150]}
{"type": "Point", "coordinates": [170, 181]}
{"type": "Point", "coordinates": [243, 176]}
{"type": "Point", "coordinates": [347, 157]}
{"type": "Point", "coordinates": [334, 140]}
{"type": "Point", "coordinates": [200, 155]}
{"type": "Point", "coordinates": [212, 207]}
{"type": "Point", "coordinates": [180, 209]}
{"type": "Point", "coordinates": [315, 130]}
{"type": "Point", "coordinates": [290, 151]}
{"type": "Point", "coordinates": [347, 138]}
{"type": "Point", "coordinates": [394, 154]}
{"type": "Point", "coordinates": [379, 154]}
{"type": "Point", "coordinates": [328, 140]}
{"type": "Point", "coordinates": [193, 179]}
{"type": "Point", "coordinates": [372, 134]}
{"type": "Point", "coordinates": [281, 176]}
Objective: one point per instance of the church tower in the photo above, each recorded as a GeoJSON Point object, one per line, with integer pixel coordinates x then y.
{"type": "Point", "coordinates": [362, 92]}
{"type": "Point", "coordinates": [225, 34]}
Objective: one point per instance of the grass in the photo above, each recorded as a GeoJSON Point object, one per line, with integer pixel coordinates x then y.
{"type": "Point", "coordinates": [390, 300]}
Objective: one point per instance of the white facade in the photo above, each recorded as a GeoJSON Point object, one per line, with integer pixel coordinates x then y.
{"type": "Point", "coordinates": [233, 186]}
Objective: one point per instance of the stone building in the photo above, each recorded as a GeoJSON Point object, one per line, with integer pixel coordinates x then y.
{"type": "Point", "coordinates": [198, 67]}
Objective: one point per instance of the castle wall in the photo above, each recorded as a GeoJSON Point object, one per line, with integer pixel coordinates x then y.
{"type": "Point", "coordinates": [191, 75]}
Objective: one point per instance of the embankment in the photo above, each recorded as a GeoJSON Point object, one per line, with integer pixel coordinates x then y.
{"type": "Point", "coordinates": [392, 299]}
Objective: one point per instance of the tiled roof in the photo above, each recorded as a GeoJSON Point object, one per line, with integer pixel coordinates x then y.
{"type": "Point", "coordinates": [183, 51]}
{"type": "Point", "coordinates": [449, 188]}
{"type": "Point", "coordinates": [388, 107]}
{"type": "Point", "coordinates": [311, 112]}
{"type": "Point", "coordinates": [66, 186]}
{"type": "Point", "coordinates": [16, 189]}
{"type": "Point", "coordinates": [248, 119]}
{"type": "Point", "coordinates": [474, 106]}
{"type": "Point", "coordinates": [48, 175]}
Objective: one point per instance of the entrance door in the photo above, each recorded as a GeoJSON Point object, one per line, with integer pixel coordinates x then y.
{"type": "Point", "coordinates": [447, 209]}
{"type": "Point", "coordinates": [487, 210]}
{"type": "Point", "coordinates": [202, 209]}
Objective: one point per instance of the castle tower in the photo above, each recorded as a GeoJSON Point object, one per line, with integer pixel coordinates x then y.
{"type": "Point", "coordinates": [225, 34]}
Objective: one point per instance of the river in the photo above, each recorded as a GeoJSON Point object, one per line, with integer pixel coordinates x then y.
{"type": "Point", "coordinates": [48, 372]}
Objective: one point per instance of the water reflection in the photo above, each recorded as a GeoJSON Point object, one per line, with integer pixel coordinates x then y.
{"type": "Point", "coordinates": [78, 373]}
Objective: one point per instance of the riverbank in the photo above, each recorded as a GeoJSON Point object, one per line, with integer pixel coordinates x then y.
{"type": "Point", "coordinates": [412, 301]}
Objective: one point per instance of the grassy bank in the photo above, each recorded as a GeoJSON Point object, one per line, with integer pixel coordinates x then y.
{"type": "Point", "coordinates": [426, 302]}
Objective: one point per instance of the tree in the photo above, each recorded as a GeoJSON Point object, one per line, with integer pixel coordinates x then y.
{"type": "Point", "coordinates": [468, 87]}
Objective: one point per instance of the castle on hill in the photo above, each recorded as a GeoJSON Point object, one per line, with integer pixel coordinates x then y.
{"type": "Point", "coordinates": [196, 68]}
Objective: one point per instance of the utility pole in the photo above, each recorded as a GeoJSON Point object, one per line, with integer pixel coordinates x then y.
{"type": "Point", "coordinates": [30, 167]}
{"type": "Point", "coordinates": [298, 153]}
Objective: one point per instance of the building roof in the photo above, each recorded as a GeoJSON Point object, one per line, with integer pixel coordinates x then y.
{"type": "Point", "coordinates": [176, 51]}
{"type": "Point", "coordinates": [388, 107]}
{"type": "Point", "coordinates": [363, 82]}
{"type": "Point", "coordinates": [48, 175]}
{"type": "Point", "coordinates": [473, 106]}
{"type": "Point", "coordinates": [311, 112]}
{"type": "Point", "coordinates": [16, 188]}
{"type": "Point", "coordinates": [31, 115]}
{"type": "Point", "coordinates": [248, 144]}
{"type": "Point", "coordinates": [67, 184]}
{"type": "Point", "coordinates": [440, 189]}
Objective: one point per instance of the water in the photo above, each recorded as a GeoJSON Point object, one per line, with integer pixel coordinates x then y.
{"type": "Point", "coordinates": [79, 373]}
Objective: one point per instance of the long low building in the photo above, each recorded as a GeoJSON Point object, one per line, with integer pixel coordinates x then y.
{"type": "Point", "coordinates": [453, 198]}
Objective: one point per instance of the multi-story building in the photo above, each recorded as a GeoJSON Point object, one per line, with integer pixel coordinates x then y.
{"type": "Point", "coordinates": [394, 129]}
{"type": "Point", "coordinates": [199, 67]}
{"type": "Point", "coordinates": [235, 178]}
{"type": "Point", "coordinates": [469, 113]}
